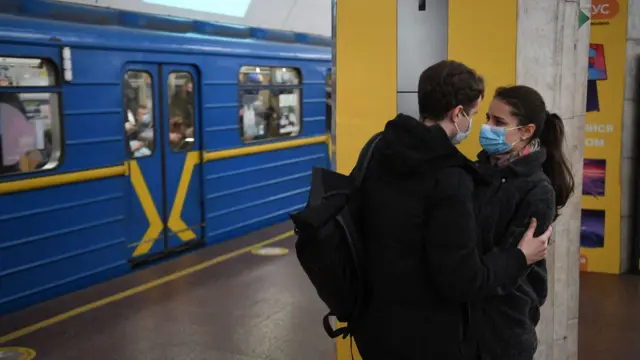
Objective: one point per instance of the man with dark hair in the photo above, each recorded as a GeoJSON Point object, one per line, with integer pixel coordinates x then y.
{"type": "Point", "coordinates": [419, 228]}
{"type": "Point", "coordinates": [444, 86]}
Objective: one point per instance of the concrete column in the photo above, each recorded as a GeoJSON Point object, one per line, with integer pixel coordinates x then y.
{"type": "Point", "coordinates": [552, 52]}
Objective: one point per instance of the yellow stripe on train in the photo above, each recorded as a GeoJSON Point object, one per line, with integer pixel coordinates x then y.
{"type": "Point", "coordinates": [15, 186]}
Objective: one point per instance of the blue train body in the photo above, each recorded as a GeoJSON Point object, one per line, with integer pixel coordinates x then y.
{"type": "Point", "coordinates": [88, 218]}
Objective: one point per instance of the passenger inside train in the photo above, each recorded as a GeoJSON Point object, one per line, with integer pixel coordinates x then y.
{"type": "Point", "coordinates": [266, 112]}
{"type": "Point", "coordinates": [180, 133]}
{"type": "Point", "coordinates": [181, 90]}
{"type": "Point", "coordinates": [139, 127]}
{"type": "Point", "coordinates": [25, 124]}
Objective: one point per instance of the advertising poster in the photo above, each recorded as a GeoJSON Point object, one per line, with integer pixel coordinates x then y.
{"type": "Point", "coordinates": [600, 220]}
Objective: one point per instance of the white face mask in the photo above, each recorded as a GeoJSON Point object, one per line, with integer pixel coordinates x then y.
{"type": "Point", "coordinates": [461, 136]}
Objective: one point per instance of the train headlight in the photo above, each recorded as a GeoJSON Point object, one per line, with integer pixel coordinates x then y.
{"type": "Point", "coordinates": [66, 64]}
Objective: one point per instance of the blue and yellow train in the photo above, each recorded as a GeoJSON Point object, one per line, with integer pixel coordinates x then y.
{"type": "Point", "coordinates": [127, 136]}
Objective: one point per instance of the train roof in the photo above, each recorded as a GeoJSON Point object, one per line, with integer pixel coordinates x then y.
{"type": "Point", "coordinates": [81, 25]}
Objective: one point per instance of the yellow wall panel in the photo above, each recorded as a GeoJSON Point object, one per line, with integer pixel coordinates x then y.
{"type": "Point", "coordinates": [366, 83]}
{"type": "Point", "coordinates": [603, 140]}
{"type": "Point", "coordinates": [366, 74]}
{"type": "Point", "coordinates": [483, 35]}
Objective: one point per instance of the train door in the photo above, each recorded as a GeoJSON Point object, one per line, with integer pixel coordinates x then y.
{"type": "Point", "coordinates": [161, 125]}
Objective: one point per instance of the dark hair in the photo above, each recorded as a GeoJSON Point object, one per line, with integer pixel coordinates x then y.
{"type": "Point", "coordinates": [444, 86]}
{"type": "Point", "coordinates": [529, 107]}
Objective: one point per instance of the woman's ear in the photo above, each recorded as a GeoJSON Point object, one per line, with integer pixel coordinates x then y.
{"type": "Point", "coordinates": [528, 131]}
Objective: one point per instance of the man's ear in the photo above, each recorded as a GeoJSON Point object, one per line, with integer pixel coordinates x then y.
{"type": "Point", "coordinates": [454, 114]}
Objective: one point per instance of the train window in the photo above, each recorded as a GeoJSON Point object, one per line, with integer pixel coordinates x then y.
{"type": "Point", "coordinates": [181, 124]}
{"type": "Point", "coordinates": [328, 90]}
{"type": "Point", "coordinates": [22, 72]}
{"type": "Point", "coordinates": [29, 119]}
{"type": "Point", "coordinates": [269, 103]}
{"type": "Point", "coordinates": [139, 121]}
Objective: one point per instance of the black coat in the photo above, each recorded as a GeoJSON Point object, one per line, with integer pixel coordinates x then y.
{"type": "Point", "coordinates": [505, 324]}
{"type": "Point", "coordinates": [420, 244]}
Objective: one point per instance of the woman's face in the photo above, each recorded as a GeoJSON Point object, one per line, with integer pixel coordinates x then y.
{"type": "Point", "coordinates": [499, 115]}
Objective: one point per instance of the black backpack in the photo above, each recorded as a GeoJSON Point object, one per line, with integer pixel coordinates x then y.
{"type": "Point", "coordinates": [329, 244]}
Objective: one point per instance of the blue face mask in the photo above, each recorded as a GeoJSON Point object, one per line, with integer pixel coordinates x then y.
{"type": "Point", "coordinates": [493, 140]}
{"type": "Point", "coordinates": [146, 118]}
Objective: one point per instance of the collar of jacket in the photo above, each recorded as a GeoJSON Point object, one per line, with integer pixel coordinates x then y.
{"type": "Point", "coordinates": [524, 166]}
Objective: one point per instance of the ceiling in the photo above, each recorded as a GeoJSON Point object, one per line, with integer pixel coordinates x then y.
{"type": "Point", "coordinates": [309, 16]}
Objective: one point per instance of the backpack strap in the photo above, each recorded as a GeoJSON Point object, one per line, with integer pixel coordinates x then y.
{"type": "Point", "coordinates": [326, 323]}
{"type": "Point", "coordinates": [358, 172]}
{"type": "Point", "coordinates": [365, 158]}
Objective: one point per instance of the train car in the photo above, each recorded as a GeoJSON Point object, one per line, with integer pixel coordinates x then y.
{"type": "Point", "coordinates": [128, 136]}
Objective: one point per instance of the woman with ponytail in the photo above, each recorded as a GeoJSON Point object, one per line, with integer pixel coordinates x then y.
{"type": "Point", "coordinates": [530, 178]}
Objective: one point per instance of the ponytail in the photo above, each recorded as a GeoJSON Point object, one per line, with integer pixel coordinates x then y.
{"type": "Point", "coordinates": [556, 166]}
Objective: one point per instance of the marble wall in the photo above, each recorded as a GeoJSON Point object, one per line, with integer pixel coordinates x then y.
{"type": "Point", "coordinates": [550, 58]}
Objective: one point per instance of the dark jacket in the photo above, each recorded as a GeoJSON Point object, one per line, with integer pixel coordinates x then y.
{"type": "Point", "coordinates": [505, 324]}
{"type": "Point", "coordinates": [420, 244]}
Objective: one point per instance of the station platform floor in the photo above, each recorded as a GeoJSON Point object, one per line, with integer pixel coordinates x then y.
{"type": "Point", "coordinates": [233, 301]}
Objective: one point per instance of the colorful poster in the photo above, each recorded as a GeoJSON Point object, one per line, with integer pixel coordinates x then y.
{"type": "Point", "coordinates": [600, 230]}
{"type": "Point", "coordinates": [592, 228]}
{"type": "Point", "coordinates": [597, 65]}
{"type": "Point", "coordinates": [593, 177]}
